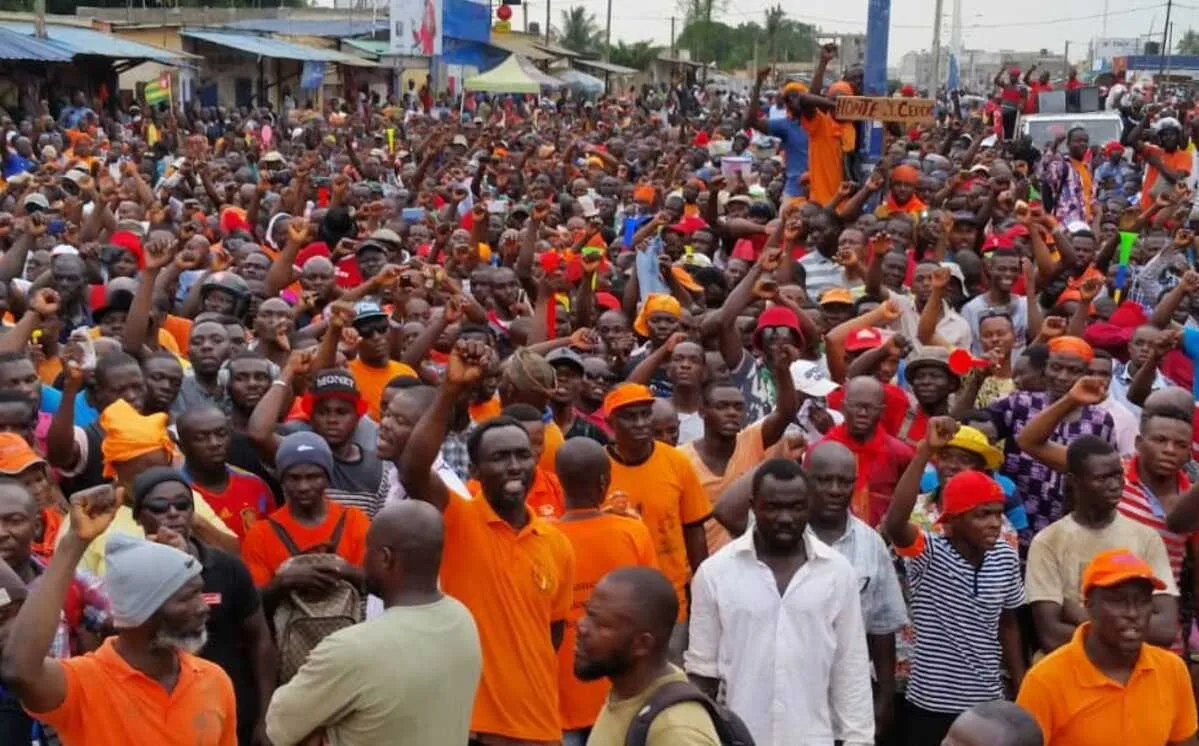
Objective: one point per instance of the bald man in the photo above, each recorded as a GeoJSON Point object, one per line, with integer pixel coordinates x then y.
{"type": "Point", "coordinates": [351, 687]}
{"type": "Point", "coordinates": [602, 542]}
{"type": "Point", "coordinates": [881, 457]}
{"type": "Point", "coordinates": [624, 636]}
{"type": "Point", "coordinates": [831, 474]}
{"type": "Point", "coordinates": [997, 723]}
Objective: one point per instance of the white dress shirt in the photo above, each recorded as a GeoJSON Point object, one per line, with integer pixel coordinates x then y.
{"type": "Point", "coordinates": [883, 609]}
{"type": "Point", "coordinates": [795, 666]}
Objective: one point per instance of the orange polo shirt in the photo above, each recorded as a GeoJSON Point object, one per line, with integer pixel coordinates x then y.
{"type": "Point", "coordinates": [602, 543]}
{"type": "Point", "coordinates": [372, 380]}
{"type": "Point", "coordinates": [516, 584]}
{"type": "Point", "coordinates": [553, 441]}
{"type": "Point", "coordinates": [110, 703]}
{"type": "Point", "coordinates": [545, 496]}
{"type": "Point", "coordinates": [1178, 161]}
{"type": "Point", "coordinates": [1077, 705]}
{"type": "Point", "coordinates": [665, 491]}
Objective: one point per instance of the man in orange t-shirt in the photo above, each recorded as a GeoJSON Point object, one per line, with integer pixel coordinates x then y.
{"type": "Point", "coordinates": [661, 486]}
{"type": "Point", "coordinates": [512, 569]}
{"type": "Point", "coordinates": [159, 611]}
{"type": "Point", "coordinates": [1168, 161]}
{"type": "Point", "coordinates": [373, 368]}
{"type": "Point", "coordinates": [602, 542]}
{"type": "Point", "coordinates": [1107, 685]}
{"type": "Point", "coordinates": [309, 519]}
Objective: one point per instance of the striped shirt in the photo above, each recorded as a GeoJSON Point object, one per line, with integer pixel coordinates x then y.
{"type": "Point", "coordinates": [821, 273]}
{"type": "Point", "coordinates": [955, 610]}
{"type": "Point", "coordinates": [1140, 504]}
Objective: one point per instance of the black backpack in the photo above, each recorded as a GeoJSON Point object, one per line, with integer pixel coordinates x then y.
{"type": "Point", "coordinates": [730, 729]}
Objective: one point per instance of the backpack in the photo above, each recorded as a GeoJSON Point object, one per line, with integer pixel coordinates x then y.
{"type": "Point", "coordinates": [730, 729]}
{"type": "Point", "coordinates": [300, 623]}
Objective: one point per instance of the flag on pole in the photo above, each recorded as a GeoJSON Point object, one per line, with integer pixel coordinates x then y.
{"type": "Point", "coordinates": [156, 92]}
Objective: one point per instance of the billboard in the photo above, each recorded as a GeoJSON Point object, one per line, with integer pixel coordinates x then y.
{"type": "Point", "coordinates": [416, 27]}
{"type": "Point", "coordinates": [1109, 47]}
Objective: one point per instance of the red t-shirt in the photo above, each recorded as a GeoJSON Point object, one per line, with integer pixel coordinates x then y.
{"type": "Point", "coordinates": [245, 500]}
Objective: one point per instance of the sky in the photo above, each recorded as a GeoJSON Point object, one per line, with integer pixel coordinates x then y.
{"type": "Point", "coordinates": [1023, 25]}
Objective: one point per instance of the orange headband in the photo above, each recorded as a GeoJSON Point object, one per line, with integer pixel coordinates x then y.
{"type": "Point", "coordinates": [656, 303]}
{"type": "Point", "coordinates": [1072, 346]}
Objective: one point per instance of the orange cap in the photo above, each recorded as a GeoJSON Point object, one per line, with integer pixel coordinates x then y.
{"type": "Point", "coordinates": [1068, 345]}
{"type": "Point", "coordinates": [626, 394]}
{"type": "Point", "coordinates": [16, 455]}
{"type": "Point", "coordinates": [1115, 566]}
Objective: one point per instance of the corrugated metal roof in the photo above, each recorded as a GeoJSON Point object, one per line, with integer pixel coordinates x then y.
{"type": "Point", "coordinates": [515, 45]}
{"type": "Point", "coordinates": [80, 40]}
{"type": "Point", "coordinates": [606, 67]}
{"type": "Point", "coordinates": [333, 27]}
{"type": "Point", "coordinates": [556, 50]}
{"type": "Point", "coordinates": [14, 46]}
{"type": "Point", "coordinates": [369, 46]}
{"type": "Point", "coordinates": [265, 46]}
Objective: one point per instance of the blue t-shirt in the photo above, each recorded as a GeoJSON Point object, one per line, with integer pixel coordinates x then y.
{"type": "Point", "coordinates": [85, 414]}
{"type": "Point", "coordinates": [15, 163]}
{"type": "Point", "coordinates": [795, 150]}
{"type": "Point", "coordinates": [1190, 347]}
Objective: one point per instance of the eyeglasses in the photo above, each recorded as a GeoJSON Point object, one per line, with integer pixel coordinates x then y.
{"type": "Point", "coordinates": [608, 378]}
{"type": "Point", "coordinates": [159, 507]}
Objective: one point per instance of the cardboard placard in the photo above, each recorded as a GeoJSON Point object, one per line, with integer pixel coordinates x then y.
{"type": "Point", "coordinates": [883, 109]}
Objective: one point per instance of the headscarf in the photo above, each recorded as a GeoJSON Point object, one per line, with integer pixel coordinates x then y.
{"type": "Point", "coordinates": [905, 174]}
{"type": "Point", "coordinates": [1072, 346]}
{"type": "Point", "coordinates": [129, 434]}
{"type": "Point", "coordinates": [656, 303]}
{"type": "Point", "coordinates": [528, 371]}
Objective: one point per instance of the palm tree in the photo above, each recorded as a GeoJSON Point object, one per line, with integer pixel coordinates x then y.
{"type": "Point", "coordinates": [638, 55]}
{"type": "Point", "coordinates": [580, 31]}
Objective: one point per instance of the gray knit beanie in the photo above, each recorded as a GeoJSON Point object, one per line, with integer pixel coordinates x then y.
{"type": "Point", "coordinates": [142, 575]}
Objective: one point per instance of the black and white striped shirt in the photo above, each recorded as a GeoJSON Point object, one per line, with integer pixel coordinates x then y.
{"type": "Point", "coordinates": [955, 610]}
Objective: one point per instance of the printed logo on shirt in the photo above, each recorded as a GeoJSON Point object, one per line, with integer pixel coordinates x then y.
{"type": "Point", "coordinates": [541, 578]}
{"type": "Point", "coordinates": [248, 517]}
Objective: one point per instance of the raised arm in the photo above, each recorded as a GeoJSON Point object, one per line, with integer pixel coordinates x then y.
{"type": "Point", "coordinates": [282, 271]}
{"type": "Point", "coordinates": [137, 321]}
{"type": "Point", "coordinates": [1034, 439]}
{"type": "Point", "coordinates": [27, 668]}
{"type": "Point", "coordinates": [261, 426]}
{"type": "Point", "coordinates": [1163, 312]}
{"type": "Point", "coordinates": [834, 341]}
{"type": "Point", "coordinates": [896, 524]}
{"type": "Point", "coordinates": [753, 110]}
{"type": "Point", "coordinates": [465, 368]}
{"type": "Point", "coordinates": [930, 315]}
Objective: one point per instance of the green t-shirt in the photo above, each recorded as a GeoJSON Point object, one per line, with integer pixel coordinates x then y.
{"type": "Point", "coordinates": [686, 724]}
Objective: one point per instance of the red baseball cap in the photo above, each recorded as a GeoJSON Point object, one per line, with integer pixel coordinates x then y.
{"type": "Point", "coordinates": [967, 490]}
{"type": "Point", "coordinates": [869, 338]}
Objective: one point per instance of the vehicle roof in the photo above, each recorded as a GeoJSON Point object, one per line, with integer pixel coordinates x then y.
{"type": "Point", "coordinates": [1090, 115]}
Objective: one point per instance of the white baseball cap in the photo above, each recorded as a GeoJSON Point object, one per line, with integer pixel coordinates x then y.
{"type": "Point", "coordinates": [811, 380]}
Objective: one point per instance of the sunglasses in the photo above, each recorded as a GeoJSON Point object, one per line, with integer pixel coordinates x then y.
{"type": "Point", "coordinates": [367, 332]}
{"type": "Point", "coordinates": [160, 507]}
{"type": "Point", "coordinates": [601, 378]}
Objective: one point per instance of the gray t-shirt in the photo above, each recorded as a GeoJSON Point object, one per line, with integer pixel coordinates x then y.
{"type": "Point", "coordinates": [192, 394]}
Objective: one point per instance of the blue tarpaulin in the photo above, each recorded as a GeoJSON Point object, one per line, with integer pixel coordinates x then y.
{"type": "Point", "coordinates": [475, 54]}
{"type": "Point", "coordinates": [465, 20]}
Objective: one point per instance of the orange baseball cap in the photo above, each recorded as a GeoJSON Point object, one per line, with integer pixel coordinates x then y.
{"type": "Point", "coordinates": [1115, 566]}
{"type": "Point", "coordinates": [836, 295]}
{"type": "Point", "coordinates": [626, 394]}
{"type": "Point", "coordinates": [16, 455]}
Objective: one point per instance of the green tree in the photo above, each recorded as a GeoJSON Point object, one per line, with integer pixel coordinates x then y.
{"type": "Point", "coordinates": [1189, 43]}
{"type": "Point", "coordinates": [638, 55]}
{"type": "Point", "coordinates": [580, 32]}
{"type": "Point", "coordinates": [733, 47]}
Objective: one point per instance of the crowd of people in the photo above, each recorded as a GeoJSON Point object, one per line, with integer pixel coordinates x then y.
{"type": "Point", "coordinates": [595, 425]}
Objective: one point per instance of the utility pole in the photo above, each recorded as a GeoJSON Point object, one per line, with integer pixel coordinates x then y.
{"type": "Point", "coordinates": [547, 21]}
{"type": "Point", "coordinates": [608, 35]}
{"type": "Point", "coordinates": [936, 48]}
{"type": "Point", "coordinates": [673, 54]}
{"type": "Point", "coordinates": [1165, 40]}
{"type": "Point", "coordinates": [524, 13]}
{"type": "Point", "coordinates": [708, 37]}
{"type": "Point", "coordinates": [39, 18]}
